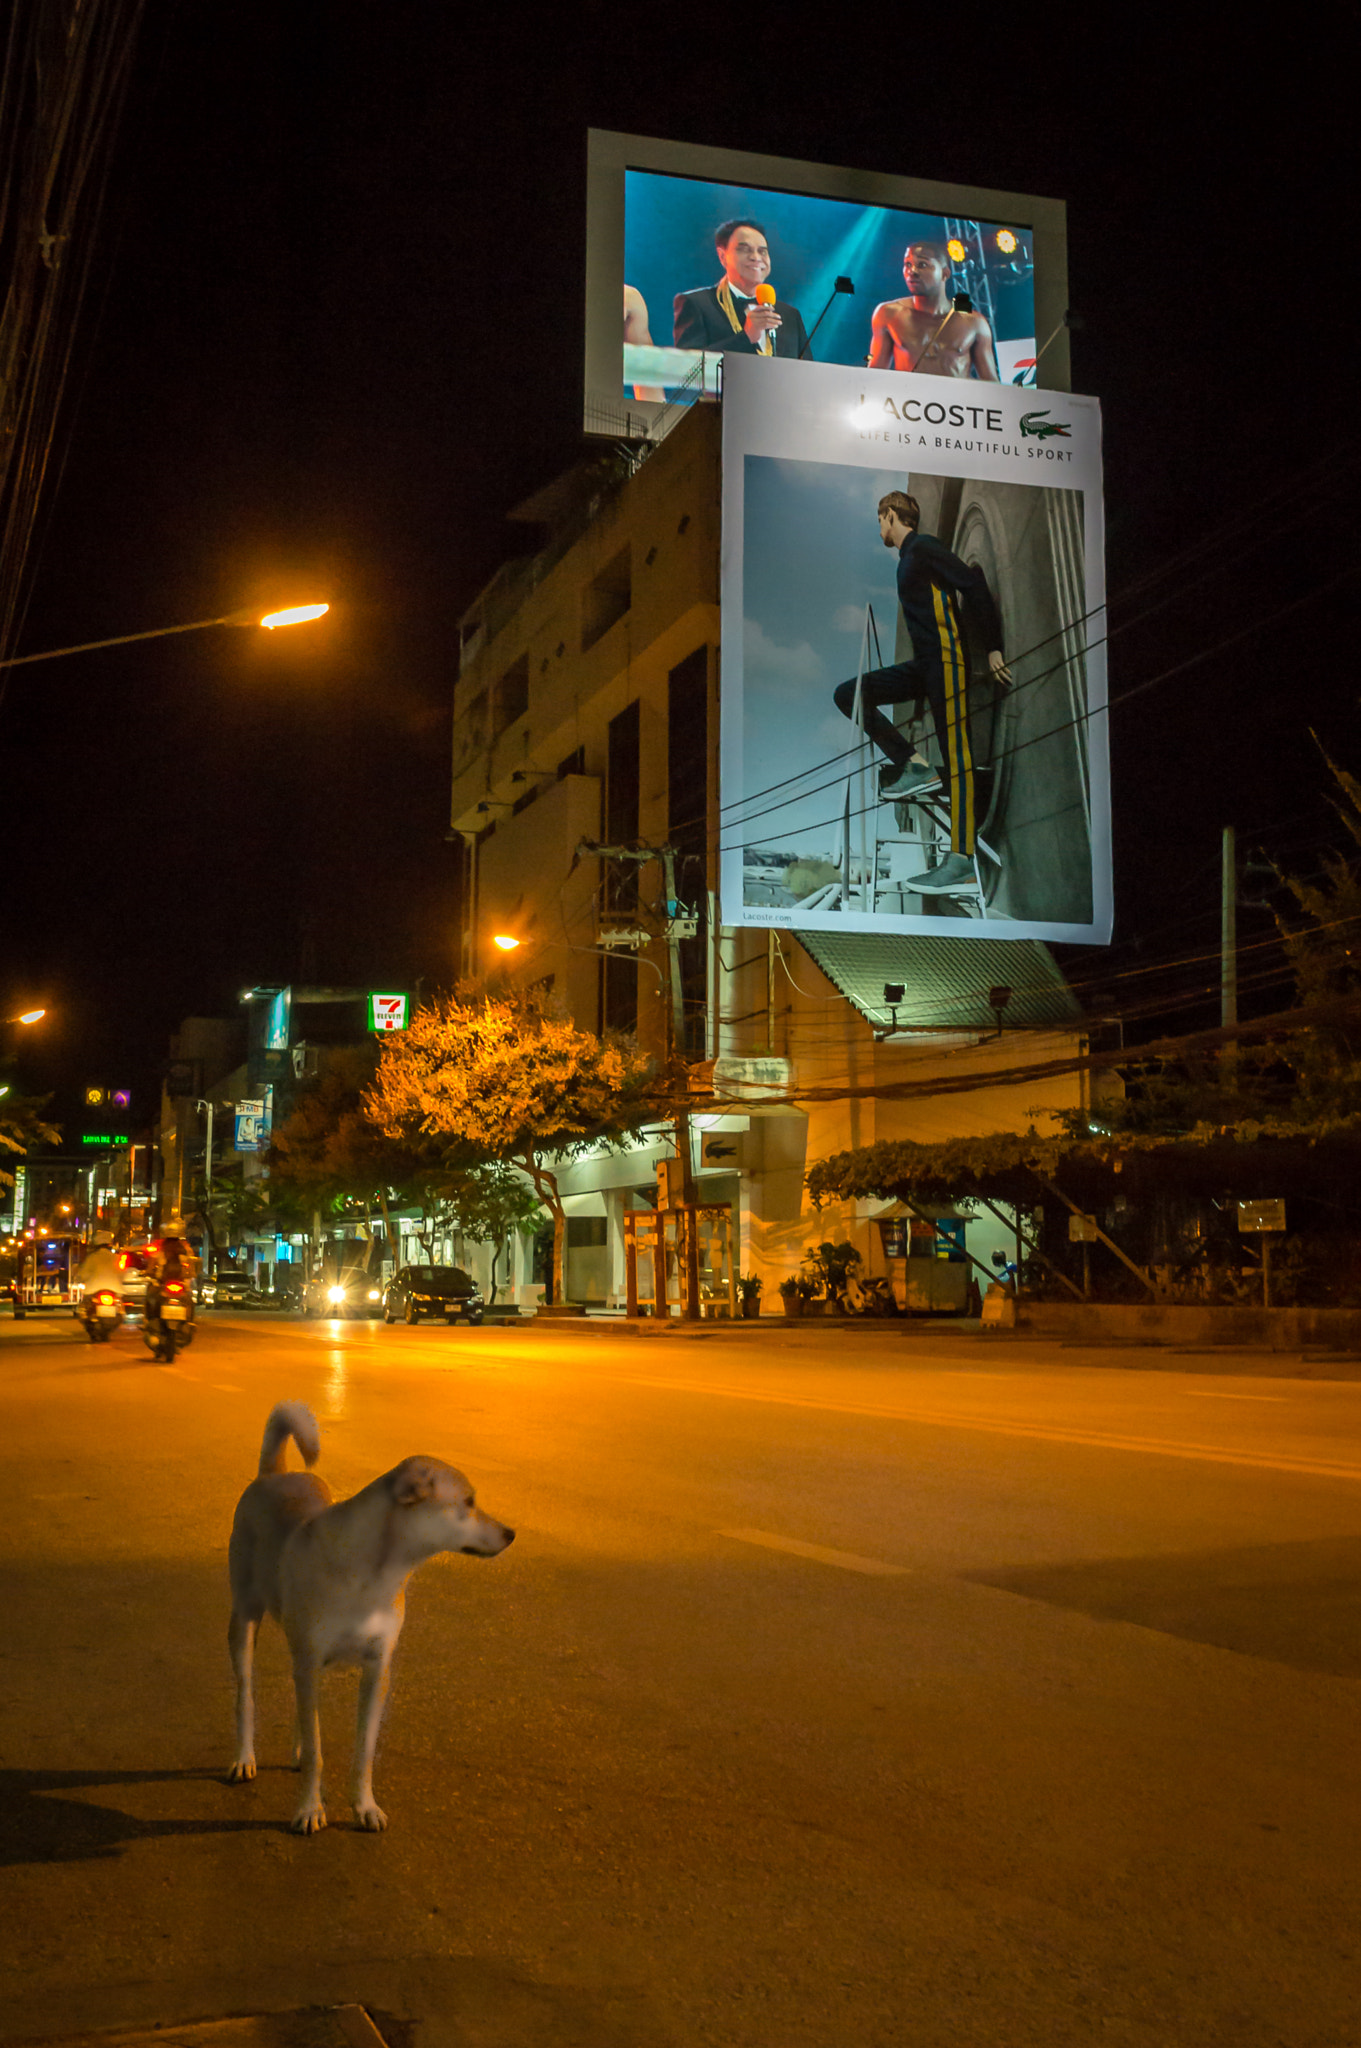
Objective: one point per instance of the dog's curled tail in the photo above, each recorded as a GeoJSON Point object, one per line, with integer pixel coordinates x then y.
{"type": "Point", "coordinates": [289, 1419]}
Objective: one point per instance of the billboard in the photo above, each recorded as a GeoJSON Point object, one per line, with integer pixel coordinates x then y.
{"type": "Point", "coordinates": [825, 265]}
{"type": "Point", "coordinates": [914, 691]}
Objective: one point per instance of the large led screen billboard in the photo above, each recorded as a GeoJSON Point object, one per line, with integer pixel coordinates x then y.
{"type": "Point", "coordinates": [696, 255]}
{"type": "Point", "coordinates": [914, 684]}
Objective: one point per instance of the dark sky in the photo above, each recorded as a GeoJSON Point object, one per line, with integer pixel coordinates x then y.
{"type": "Point", "coordinates": [340, 334]}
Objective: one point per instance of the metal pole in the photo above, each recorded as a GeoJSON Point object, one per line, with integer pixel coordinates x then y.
{"type": "Point", "coordinates": [1228, 956]}
{"type": "Point", "coordinates": [677, 1020]}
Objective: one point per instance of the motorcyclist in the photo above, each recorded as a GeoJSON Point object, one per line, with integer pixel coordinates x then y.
{"type": "Point", "coordinates": [99, 1269]}
{"type": "Point", "coordinates": [173, 1259]}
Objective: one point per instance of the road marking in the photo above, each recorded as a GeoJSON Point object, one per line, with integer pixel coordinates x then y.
{"type": "Point", "coordinates": [1089, 1439]}
{"type": "Point", "coordinates": [846, 1559]}
{"type": "Point", "coordinates": [1209, 1394]}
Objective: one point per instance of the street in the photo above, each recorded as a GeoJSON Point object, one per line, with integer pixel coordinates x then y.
{"type": "Point", "coordinates": [843, 1685]}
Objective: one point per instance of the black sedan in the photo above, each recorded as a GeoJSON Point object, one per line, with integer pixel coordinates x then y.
{"type": "Point", "coordinates": [445, 1291]}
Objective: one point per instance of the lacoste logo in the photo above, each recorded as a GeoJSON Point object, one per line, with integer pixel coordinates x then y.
{"type": "Point", "coordinates": [1041, 426]}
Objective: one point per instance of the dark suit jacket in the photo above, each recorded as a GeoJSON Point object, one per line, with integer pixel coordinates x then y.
{"type": "Point", "coordinates": [699, 321]}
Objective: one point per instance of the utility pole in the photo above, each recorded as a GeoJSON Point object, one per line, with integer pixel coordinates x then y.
{"type": "Point", "coordinates": [640, 856]}
{"type": "Point", "coordinates": [1228, 957]}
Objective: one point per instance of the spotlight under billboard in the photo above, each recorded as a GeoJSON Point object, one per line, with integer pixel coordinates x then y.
{"type": "Point", "coordinates": [714, 253]}
{"type": "Point", "coordinates": [914, 682]}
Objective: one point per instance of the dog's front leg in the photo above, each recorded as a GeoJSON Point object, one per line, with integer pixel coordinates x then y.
{"type": "Point", "coordinates": [310, 1817]}
{"type": "Point", "coordinates": [241, 1633]}
{"type": "Point", "coordinates": [373, 1688]}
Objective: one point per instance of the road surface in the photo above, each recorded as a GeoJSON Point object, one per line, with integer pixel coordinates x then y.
{"type": "Point", "coordinates": [870, 1686]}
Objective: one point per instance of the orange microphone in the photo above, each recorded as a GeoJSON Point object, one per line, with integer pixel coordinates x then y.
{"type": "Point", "coordinates": [765, 296]}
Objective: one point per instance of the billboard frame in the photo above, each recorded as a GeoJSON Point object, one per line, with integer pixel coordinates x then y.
{"type": "Point", "coordinates": [833, 424]}
{"type": "Point", "coordinates": [610, 154]}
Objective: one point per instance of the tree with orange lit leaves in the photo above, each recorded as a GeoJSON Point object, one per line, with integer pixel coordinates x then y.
{"type": "Point", "coordinates": [507, 1077]}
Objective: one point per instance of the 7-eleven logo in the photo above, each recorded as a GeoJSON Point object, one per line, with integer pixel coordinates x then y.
{"type": "Point", "coordinates": [388, 1013]}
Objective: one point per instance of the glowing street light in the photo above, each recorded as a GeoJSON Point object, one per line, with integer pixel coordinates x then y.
{"type": "Point", "coordinates": [28, 1017]}
{"type": "Point", "coordinates": [505, 942]}
{"type": "Point", "coordinates": [296, 616]}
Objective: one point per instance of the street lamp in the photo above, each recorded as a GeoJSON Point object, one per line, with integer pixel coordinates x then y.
{"type": "Point", "coordinates": [28, 1017]}
{"type": "Point", "coordinates": [297, 616]}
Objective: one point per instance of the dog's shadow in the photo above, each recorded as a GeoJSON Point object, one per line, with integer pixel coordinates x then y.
{"type": "Point", "coordinates": [40, 1824]}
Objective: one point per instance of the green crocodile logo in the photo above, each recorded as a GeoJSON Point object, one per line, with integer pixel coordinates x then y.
{"type": "Point", "coordinates": [1041, 426]}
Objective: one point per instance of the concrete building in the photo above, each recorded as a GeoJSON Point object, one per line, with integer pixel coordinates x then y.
{"type": "Point", "coordinates": [587, 711]}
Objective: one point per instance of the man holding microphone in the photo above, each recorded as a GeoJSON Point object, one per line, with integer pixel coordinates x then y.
{"type": "Point", "coordinates": [740, 314]}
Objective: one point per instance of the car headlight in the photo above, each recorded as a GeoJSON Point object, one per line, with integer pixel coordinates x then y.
{"type": "Point", "coordinates": [335, 1294]}
{"type": "Point", "coordinates": [373, 1294]}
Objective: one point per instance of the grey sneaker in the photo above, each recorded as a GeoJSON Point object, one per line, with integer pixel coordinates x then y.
{"type": "Point", "coordinates": [955, 873]}
{"type": "Point", "coordinates": [902, 785]}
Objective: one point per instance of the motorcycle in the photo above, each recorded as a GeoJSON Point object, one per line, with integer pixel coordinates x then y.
{"type": "Point", "coordinates": [102, 1313]}
{"type": "Point", "coordinates": [169, 1322]}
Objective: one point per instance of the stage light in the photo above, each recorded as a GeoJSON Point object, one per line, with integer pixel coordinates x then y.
{"type": "Point", "coordinates": [1006, 241]}
{"type": "Point", "coordinates": [956, 250]}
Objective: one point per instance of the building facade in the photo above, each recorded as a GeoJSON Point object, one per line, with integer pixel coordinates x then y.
{"type": "Point", "coordinates": [586, 792]}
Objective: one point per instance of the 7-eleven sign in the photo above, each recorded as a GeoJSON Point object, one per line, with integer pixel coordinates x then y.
{"type": "Point", "coordinates": [389, 1013]}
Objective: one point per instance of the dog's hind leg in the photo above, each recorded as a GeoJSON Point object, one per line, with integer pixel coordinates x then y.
{"type": "Point", "coordinates": [241, 1634]}
{"type": "Point", "coordinates": [373, 1688]}
{"type": "Point", "coordinates": [310, 1817]}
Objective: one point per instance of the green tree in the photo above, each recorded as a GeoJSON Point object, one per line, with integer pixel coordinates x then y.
{"type": "Point", "coordinates": [23, 1128]}
{"type": "Point", "coordinates": [328, 1153]}
{"type": "Point", "coordinates": [507, 1077]}
{"type": "Point", "coordinates": [1324, 947]}
{"type": "Point", "coordinates": [488, 1202]}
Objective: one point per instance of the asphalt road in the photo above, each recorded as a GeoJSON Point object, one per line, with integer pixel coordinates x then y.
{"type": "Point", "coordinates": [842, 1686]}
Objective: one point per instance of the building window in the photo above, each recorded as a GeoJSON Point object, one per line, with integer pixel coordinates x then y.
{"type": "Point", "coordinates": [619, 988]}
{"type": "Point", "coordinates": [583, 1231]}
{"type": "Point", "coordinates": [511, 696]}
{"type": "Point", "coordinates": [687, 803]}
{"type": "Point", "coordinates": [605, 600]}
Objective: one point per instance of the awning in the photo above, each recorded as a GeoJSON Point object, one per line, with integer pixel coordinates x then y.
{"type": "Point", "coordinates": [946, 982]}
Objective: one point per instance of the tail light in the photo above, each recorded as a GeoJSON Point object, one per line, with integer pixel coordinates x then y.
{"type": "Point", "coordinates": [174, 1287]}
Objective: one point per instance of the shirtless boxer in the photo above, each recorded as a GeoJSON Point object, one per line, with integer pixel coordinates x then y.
{"type": "Point", "coordinates": [925, 331]}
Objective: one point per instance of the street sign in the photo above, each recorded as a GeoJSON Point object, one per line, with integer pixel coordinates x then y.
{"type": "Point", "coordinates": [389, 1012]}
{"type": "Point", "coordinates": [1265, 1215]}
{"type": "Point", "coordinates": [1082, 1230]}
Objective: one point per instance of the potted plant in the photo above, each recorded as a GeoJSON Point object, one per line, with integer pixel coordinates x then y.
{"type": "Point", "coordinates": [792, 1296]}
{"type": "Point", "coordinates": [749, 1288]}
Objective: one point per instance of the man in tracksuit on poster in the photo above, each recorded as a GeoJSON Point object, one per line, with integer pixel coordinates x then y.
{"type": "Point", "coordinates": [934, 589]}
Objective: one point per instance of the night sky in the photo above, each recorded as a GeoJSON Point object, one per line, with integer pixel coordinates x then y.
{"type": "Point", "coordinates": [338, 333]}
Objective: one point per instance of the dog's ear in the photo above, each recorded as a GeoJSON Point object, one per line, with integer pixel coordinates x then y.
{"type": "Point", "coordinates": [413, 1480]}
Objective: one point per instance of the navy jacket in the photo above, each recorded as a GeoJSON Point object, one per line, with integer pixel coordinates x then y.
{"type": "Point", "coordinates": [926, 567]}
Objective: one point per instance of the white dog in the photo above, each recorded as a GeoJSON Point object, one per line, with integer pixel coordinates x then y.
{"type": "Point", "coordinates": [333, 1574]}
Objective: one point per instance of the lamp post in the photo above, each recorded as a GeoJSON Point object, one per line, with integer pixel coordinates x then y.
{"type": "Point", "coordinates": [297, 615]}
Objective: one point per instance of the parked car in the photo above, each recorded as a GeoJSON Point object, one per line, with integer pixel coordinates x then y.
{"type": "Point", "coordinates": [445, 1291]}
{"type": "Point", "coordinates": [353, 1293]}
{"type": "Point", "coordinates": [229, 1284]}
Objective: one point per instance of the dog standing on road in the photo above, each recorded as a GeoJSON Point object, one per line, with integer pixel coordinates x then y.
{"type": "Point", "coordinates": [333, 1574]}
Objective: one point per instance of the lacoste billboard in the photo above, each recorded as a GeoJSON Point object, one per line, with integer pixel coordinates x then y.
{"type": "Point", "coordinates": [914, 676]}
